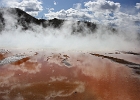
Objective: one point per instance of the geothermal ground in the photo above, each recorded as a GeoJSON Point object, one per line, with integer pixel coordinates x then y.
{"type": "Point", "coordinates": [71, 75]}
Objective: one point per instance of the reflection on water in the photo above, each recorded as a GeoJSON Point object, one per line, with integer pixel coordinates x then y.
{"type": "Point", "coordinates": [67, 76]}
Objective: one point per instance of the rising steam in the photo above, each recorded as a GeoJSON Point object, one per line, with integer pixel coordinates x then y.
{"type": "Point", "coordinates": [125, 39]}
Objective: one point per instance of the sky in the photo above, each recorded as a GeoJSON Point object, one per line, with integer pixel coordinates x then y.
{"type": "Point", "coordinates": [99, 11]}
{"type": "Point", "coordinates": [121, 14]}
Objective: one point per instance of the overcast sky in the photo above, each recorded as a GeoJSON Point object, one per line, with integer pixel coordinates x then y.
{"type": "Point", "coordinates": [102, 11]}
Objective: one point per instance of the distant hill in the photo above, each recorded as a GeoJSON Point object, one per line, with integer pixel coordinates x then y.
{"type": "Point", "coordinates": [24, 19]}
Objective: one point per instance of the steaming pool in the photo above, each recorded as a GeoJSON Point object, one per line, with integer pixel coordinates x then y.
{"type": "Point", "coordinates": [69, 75]}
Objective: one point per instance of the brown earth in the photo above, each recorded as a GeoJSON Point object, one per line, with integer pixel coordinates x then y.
{"type": "Point", "coordinates": [68, 76]}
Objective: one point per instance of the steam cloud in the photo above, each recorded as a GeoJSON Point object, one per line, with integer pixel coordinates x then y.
{"type": "Point", "coordinates": [103, 39]}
